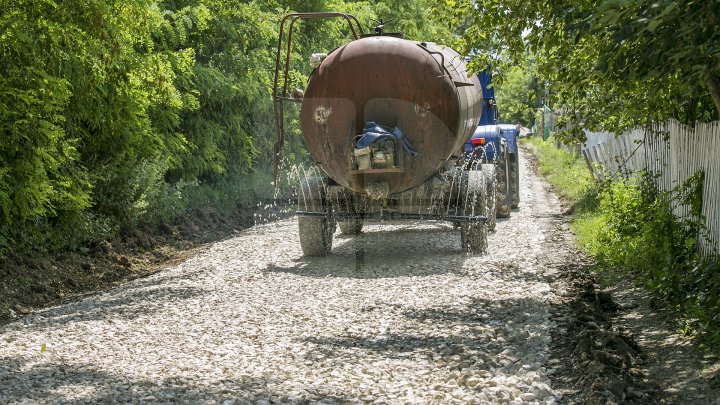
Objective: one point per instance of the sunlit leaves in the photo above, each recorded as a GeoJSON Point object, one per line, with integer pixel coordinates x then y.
{"type": "Point", "coordinates": [517, 97]}
{"type": "Point", "coordinates": [105, 102]}
{"type": "Point", "coordinates": [611, 64]}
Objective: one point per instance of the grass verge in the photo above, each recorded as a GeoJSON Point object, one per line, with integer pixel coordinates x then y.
{"type": "Point", "coordinates": [628, 226]}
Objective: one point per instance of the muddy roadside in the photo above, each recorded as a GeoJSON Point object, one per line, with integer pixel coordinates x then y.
{"type": "Point", "coordinates": [613, 343]}
{"type": "Point", "coordinates": [32, 281]}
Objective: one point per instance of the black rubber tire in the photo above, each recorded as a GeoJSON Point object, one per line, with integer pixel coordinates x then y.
{"type": "Point", "coordinates": [502, 190]}
{"type": "Point", "coordinates": [316, 232]}
{"type": "Point", "coordinates": [344, 203]}
{"type": "Point", "coordinates": [315, 236]}
{"type": "Point", "coordinates": [311, 195]}
{"type": "Point", "coordinates": [351, 226]}
{"type": "Point", "coordinates": [515, 181]}
{"type": "Point", "coordinates": [473, 235]}
{"type": "Point", "coordinates": [474, 238]}
{"type": "Point", "coordinates": [488, 171]}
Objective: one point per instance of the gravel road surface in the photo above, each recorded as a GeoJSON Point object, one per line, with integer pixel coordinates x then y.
{"type": "Point", "coordinates": [398, 314]}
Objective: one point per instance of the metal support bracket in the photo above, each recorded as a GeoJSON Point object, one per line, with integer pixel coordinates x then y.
{"type": "Point", "coordinates": [281, 95]}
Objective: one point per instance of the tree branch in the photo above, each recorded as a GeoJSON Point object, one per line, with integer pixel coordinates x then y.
{"type": "Point", "coordinates": [713, 84]}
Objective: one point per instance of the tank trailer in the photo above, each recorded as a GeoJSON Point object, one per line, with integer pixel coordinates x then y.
{"type": "Point", "coordinates": [386, 121]}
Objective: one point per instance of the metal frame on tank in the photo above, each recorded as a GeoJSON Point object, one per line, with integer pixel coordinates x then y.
{"type": "Point", "coordinates": [280, 97]}
{"type": "Point", "coordinates": [464, 197]}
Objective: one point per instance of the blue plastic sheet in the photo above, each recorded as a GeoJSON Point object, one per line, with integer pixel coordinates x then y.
{"type": "Point", "coordinates": [374, 132]}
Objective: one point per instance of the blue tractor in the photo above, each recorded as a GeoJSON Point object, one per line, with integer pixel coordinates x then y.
{"type": "Point", "coordinates": [487, 146]}
{"type": "Point", "coordinates": [497, 145]}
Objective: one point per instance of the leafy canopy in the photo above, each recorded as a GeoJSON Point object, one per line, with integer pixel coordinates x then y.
{"type": "Point", "coordinates": [112, 112]}
{"type": "Point", "coordinates": [609, 64]}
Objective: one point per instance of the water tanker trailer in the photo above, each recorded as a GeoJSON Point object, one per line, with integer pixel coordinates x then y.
{"type": "Point", "coordinates": [385, 120]}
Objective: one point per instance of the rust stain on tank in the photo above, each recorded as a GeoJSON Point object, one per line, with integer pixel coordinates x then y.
{"type": "Point", "coordinates": [422, 109]}
{"type": "Point", "coordinates": [322, 114]}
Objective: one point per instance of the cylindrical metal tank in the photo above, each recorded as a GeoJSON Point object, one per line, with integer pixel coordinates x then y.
{"type": "Point", "coordinates": [421, 88]}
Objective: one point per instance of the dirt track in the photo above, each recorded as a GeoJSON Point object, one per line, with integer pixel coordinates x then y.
{"type": "Point", "coordinates": [398, 314]}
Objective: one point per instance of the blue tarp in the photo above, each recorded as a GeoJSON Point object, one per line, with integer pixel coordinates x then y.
{"type": "Point", "coordinates": [374, 132]}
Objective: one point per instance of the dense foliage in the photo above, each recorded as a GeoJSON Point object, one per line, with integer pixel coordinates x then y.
{"type": "Point", "coordinates": [116, 114]}
{"type": "Point", "coordinates": [629, 228]}
{"type": "Point", "coordinates": [608, 64]}
{"type": "Point", "coordinates": [518, 97]}
{"type": "Point", "coordinates": [634, 231]}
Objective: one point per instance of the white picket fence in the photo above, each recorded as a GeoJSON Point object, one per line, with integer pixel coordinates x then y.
{"type": "Point", "coordinates": [673, 152]}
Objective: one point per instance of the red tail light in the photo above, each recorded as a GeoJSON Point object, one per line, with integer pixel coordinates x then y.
{"type": "Point", "coordinates": [477, 141]}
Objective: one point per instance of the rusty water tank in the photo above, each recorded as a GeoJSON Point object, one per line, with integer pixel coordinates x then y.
{"type": "Point", "coordinates": [421, 88]}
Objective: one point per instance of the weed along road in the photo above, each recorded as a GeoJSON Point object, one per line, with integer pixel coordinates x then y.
{"type": "Point", "coordinates": [398, 314]}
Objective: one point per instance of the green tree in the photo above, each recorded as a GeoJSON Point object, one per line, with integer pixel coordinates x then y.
{"type": "Point", "coordinates": [611, 64]}
{"type": "Point", "coordinates": [109, 108]}
{"type": "Point", "coordinates": [517, 97]}
{"type": "Point", "coordinates": [413, 18]}
{"type": "Point", "coordinates": [230, 78]}
{"type": "Point", "coordinates": [88, 102]}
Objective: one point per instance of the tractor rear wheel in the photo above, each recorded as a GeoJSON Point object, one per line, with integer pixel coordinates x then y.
{"type": "Point", "coordinates": [503, 200]}
{"type": "Point", "coordinates": [488, 170]}
{"type": "Point", "coordinates": [515, 181]}
{"type": "Point", "coordinates": [473, 235]}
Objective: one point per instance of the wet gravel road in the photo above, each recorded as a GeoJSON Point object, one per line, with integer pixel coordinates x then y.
{"type": "Point", "coordinates": [398, 314]}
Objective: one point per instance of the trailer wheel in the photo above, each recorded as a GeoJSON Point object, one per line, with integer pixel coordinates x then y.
{"type": "Point", "coordinates": [351, 226]}
{"type": "Point", "coordinates": [316, 232]}
{"type": "Point", "coordinates": [474, 238]}
{"type": "Point", "coordinates": [515, 181]}
{"type": "Point", "coordinates": [345, 203]}
{"type": "Point", "coordinates": [473, 235]}
{"type": "Point", "coordinates": [491, 188]}
{"type": "Point", "coordinates": [315, 236]}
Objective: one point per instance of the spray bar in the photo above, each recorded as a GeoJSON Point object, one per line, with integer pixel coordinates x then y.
{"type": "Point", "coordinates": [396, 215]}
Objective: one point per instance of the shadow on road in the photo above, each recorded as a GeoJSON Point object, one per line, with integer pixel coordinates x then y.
{"type": "Point", "coordinates": [138, 299]}
{"type": "Point", "coordinates": [415, 250]}
{"type": "Point", "coordinates": [35, 383]}
{"type": "Point", "coordinates": [468, 333]}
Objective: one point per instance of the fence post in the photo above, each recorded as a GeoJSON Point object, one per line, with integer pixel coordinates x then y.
{"type": "Point", "coordinates": [588, 162]}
